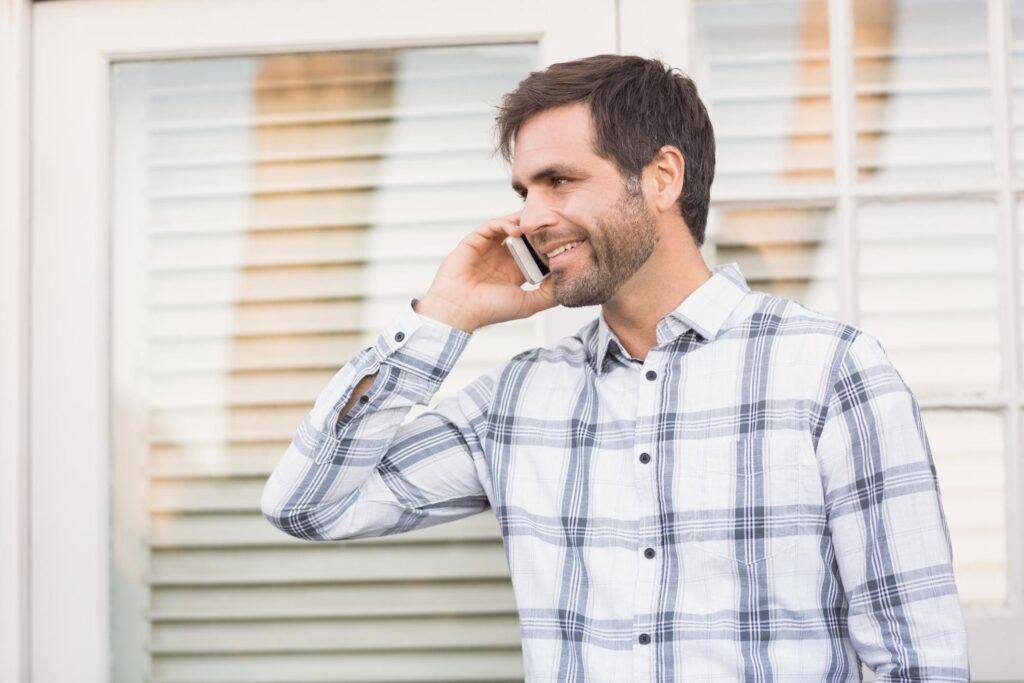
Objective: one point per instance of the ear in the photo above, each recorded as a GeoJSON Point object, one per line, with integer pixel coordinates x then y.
{"type": "Point", "coordinates": [666, 171]}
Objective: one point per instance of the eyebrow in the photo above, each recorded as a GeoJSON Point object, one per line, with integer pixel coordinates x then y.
{"type": "Point", "coordinates": [545, 173]}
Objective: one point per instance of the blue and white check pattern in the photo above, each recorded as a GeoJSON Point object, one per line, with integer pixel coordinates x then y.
{"type": "Point", "coordinates": [754, 501]}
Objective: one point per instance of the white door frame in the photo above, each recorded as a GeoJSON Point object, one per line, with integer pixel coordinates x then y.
{"type": "Point", "coordinates": [60, 624]}
{"type": "Point", "coordinates": [74, 44]}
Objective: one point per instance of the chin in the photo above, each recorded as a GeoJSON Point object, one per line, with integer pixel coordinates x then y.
{"type": "Point", "coordinates": [578, 302]}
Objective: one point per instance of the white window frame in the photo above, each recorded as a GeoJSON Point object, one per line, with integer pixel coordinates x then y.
{"type": "Point", "coordinates": [74, 44]}
{"type": "Point", "coordinates": [14, 338]}
{"type": "Point", "coordinates": [666, 29]}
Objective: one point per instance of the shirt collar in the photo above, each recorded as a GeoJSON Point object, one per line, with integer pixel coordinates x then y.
{"type": "Point", "coordinates": [705, 310]}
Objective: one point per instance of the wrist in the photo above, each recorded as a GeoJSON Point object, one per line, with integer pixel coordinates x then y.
{"type": "Point", "coordinates": [443, 312]}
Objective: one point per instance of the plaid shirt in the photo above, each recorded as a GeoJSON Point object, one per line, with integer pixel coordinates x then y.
{"type": "Point", "coordinates": [756, 500]}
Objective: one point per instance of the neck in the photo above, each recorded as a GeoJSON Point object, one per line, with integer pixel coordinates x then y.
{"type": "Point", "coordinates": [672, 273]}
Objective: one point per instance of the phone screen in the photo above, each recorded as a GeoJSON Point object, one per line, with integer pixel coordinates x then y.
{"type": "Point", "coordinates": [536, 257]}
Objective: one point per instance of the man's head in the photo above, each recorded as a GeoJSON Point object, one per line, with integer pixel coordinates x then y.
{"type": "Point", "coordinates": [637, 106]}
{"type": "Point", "coordinates": [612, 151]}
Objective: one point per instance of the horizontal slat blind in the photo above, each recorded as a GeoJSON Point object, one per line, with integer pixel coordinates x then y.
{"type": "Point", "coordinates": [921, 89]}
{"type": "Point", "coordinates": [285, 209]}
{"type": "Point", "coordinates": [1016, 67]}
{"type": "Point", "coordinates": [763, 72]}
{"type": "Point", "coordinates": [929, 288]}
{"type": "Point", "coordinates": [789, 251]}
{"type": "Point", "coordinates": [970, 455]}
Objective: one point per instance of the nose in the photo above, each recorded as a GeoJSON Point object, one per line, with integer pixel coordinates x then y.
{"type": "Point", "coordinates": [536, 215]}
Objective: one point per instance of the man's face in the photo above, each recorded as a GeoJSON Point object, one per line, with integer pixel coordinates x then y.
{"type": "Point", "coordinates": [571, 194]}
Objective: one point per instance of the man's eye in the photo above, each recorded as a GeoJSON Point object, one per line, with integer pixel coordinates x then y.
{"type": "Point", "coordinates": [558, 180]}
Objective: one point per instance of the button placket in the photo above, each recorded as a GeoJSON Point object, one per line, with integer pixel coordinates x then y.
{"type": "Point", "coordinates": [646, 478]}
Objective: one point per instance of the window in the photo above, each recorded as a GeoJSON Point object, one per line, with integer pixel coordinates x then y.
{"type": "Point", "coordinates": [271, 215]}
{"type": "Point", "coordinates": [198, 277]}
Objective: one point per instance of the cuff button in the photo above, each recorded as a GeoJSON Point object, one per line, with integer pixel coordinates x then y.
{"type": "Point", "coordinates": [400, 336]}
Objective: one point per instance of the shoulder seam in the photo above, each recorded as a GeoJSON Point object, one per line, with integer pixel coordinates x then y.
{"type": "Point", "coordinates": [833, 377]}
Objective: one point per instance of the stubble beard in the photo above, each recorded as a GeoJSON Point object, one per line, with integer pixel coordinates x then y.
{"type": "Point", "coordinates": [622, 241]}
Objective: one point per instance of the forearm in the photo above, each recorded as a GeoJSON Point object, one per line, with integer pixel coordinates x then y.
{"type": "Point", "coordinates": [314, 491]}
{"type": "Point", "coordinates": [360, 391]}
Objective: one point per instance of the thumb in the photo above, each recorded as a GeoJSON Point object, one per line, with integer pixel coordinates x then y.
{"type": "Point", "coordinates": [543, 297]}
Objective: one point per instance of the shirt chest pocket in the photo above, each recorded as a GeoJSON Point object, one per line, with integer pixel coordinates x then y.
{"type": "Point", "coordinates": [750, 498]}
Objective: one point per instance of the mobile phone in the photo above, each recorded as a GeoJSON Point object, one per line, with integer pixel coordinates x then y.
{"type": "Point", "coordinates": [534, 269]}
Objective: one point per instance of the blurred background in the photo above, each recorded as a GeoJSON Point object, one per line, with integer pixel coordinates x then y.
{"type": "Point", "coordinates": [228, 199]}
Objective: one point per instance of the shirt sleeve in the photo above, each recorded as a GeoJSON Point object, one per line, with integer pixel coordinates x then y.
{"type": "Point", "coordinates": [889, 534]}
{"type": "Point", "coordinates": [367, 474]}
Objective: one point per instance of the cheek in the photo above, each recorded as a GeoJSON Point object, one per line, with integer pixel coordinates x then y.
{"type": "Point", "coordinates": [584, 203]}
{"type": "Point", "coordinates": [581, 210]}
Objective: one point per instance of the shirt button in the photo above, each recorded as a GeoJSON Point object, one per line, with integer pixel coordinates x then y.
{"type": "Point", "coordinates": [645, 458]}
{"type": "Point", "coordinates": [400, 336]}
{"type": "Point", "coordinates": [649, 553]}
{"type": "Point", "coordinates": [652, 375]}
{"type": "Point", "coordinates": [644, 639]}
{"type": "Point", "coordinates": [364, 398]}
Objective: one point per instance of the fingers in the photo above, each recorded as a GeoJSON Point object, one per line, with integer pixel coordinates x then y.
{"type": "Point", "coordinates": [508, 225]}
{"type": "Point", "coordinates": [494, 228]}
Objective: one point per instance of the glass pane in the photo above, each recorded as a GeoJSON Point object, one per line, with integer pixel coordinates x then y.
{"type": "Point", "coordinates": [1017, 80]}
{"type": "Point", "coordinates": [788, 251]}
{"type": "Point", "coordinates": [271, 215]}
{"type": "Point", "coordinates": [921, 83]}
{"type": "Point", "coordinates": [763, 70]}
{"type": "Point", "coordinates": [970, 458]}
{"type": "Point", "coordinates": [929, 290]}
{"type": "Point", "coordinates": [1019, 280]}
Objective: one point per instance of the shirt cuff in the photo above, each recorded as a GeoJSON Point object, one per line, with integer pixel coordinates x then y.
{"type": "Point", "coordinates": [422, 346]}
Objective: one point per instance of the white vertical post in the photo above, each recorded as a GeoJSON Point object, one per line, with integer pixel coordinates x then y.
{"type": "Point", "coordinates": [1000, 45]}
{"type": "Point", "coordinates": [844, 138]}
{"type": "Point", "coordinates": [14, 339]}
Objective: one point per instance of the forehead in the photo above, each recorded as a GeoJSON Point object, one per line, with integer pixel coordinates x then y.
{"type": "Point", "coordinates": [560, 135]}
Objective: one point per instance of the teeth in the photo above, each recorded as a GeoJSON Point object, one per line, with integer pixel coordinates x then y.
{"type": "Point", "coordinates": [564, 247]}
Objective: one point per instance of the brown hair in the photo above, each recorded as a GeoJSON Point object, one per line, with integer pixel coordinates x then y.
{"type": "Point", "coordinates": [638, 105]}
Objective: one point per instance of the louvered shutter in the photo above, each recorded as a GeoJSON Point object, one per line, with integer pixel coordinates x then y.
{"type": "Point", "coordinates": [920, 266]}
{"type": "Point", "coordinates": [271, 215]}
{"type": "Point", "coordinates": [763, 71]}
{"type": "Point", "coordinates": [921, 87]}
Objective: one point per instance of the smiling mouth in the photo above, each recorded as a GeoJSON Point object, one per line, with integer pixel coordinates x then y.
{"type": "Point", "coordinates": [563, 249]}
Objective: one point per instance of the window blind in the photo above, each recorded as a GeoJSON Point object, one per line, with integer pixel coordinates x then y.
{"type": "Point", "coordinates": [921, 90]}
{"type": "Point", "coordinates": [788, 250]}
{"type": "Point", "coordinates": [272, 215]}
{"type": "Point", "coordinates": [762, 67]}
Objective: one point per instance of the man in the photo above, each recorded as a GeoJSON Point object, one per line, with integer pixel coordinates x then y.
{"type": "Point", "coordinates": [705, 483]}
